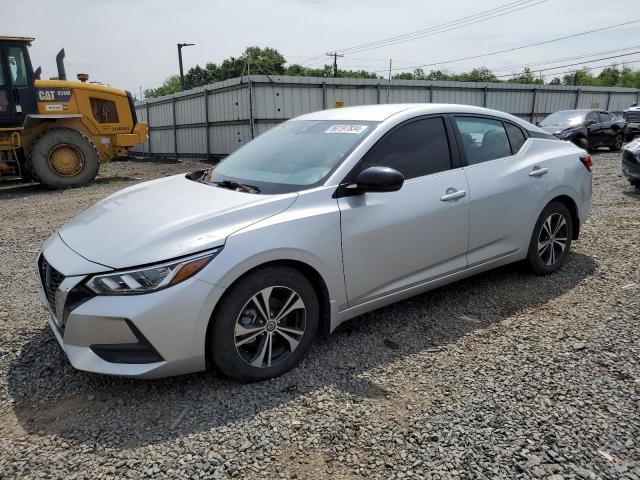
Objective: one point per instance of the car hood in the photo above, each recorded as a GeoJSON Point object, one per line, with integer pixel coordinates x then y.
{"type": "Point", "coordinates": [632, 109]}
{"type": "Point", "coordinates": [557, 129]}
{"type": "Point", "coordinates": [163, 219]}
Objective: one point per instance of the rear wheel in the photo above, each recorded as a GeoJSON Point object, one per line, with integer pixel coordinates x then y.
{"type": "Point", "coordinates": [264, 325]}
{"type": "Point", "coordinates": [62, 158]}
{"type": "Point", "coordinates": [551, 239]}
{"type": "Point", "coordinates": [617, 142]}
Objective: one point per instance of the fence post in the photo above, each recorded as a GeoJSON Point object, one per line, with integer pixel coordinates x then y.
{"type": "Point", "coordinates": [577, 99]}
{"type": "Point", "coordinates": [324, 95]}
{"type": "Point", "coordinates": [608, 101]}
{"type": "Point", "coordinates": [431, 93]}
{"type": "Point", "coordinates": [149, 125]}
{"type": "Point", "coordinates": [175, 129]}
{"type": "Point", "coordinates": [206, 121]}
{"type": "Point", "coordinates": [533, 105]}
{"type": "Point", "coordinates": [484, 98]}
{"type": "Point", "coordinates": [250, 84]}
{"type": "Point", "coordinates": [379, 93]}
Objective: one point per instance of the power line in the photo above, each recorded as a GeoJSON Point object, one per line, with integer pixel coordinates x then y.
{"type": "Point", "coordinates": [573, 64]}
{"type": "Point", "coordinates": [567, 72]}
{"type": "Point", "coordinates": [545, 42]}
{"type": "Point", "coordinates": [441, 28]}
{"type": "Point", "coordinates": [564, 59]}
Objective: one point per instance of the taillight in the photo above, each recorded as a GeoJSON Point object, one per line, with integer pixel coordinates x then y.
{"type": "Point", "coordinates": [587, 161]}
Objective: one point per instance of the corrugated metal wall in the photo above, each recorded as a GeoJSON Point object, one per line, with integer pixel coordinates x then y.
{"type": "Point", "coordinates": [213, 121]}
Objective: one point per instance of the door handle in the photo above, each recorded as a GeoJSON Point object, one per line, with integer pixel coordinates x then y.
{"type": "Point", "coordinates": [452, 194]}
{"type": "Point", "coordinates": [538, 172]}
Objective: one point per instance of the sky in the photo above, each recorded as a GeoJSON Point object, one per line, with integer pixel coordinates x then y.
{"type": "Point", "coordinates": [132, 43]}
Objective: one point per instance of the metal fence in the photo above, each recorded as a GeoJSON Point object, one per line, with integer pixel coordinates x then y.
{"type": "Point", "coordinates": [214, 120]}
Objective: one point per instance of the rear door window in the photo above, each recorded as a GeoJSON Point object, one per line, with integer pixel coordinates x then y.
{"type": "Point", "coordinates": [516, 137]}
{"type": "Point", "coordinates": [483, 139]}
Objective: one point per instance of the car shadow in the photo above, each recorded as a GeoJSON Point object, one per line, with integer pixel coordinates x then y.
{"type": "Point", "coordinates": [50, 397]}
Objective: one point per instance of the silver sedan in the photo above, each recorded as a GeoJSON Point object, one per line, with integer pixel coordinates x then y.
{"type": "Point", "coordinates": [324, 217]}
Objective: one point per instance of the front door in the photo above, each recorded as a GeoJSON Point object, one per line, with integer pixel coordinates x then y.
{"type": "Point", "coordinates": [17, 92]}
{"type": "Point", "coordinates": [395, 240]}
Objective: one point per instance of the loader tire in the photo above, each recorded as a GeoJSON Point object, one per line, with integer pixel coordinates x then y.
{"type": "Point", "coordinates": [63, 158]}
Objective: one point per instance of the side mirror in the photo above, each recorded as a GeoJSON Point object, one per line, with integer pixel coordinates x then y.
{"type": "Point", "coordinates": [379, 179]}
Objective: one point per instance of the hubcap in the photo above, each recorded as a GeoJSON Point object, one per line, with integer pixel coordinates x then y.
{"type": "Point", "coordinates": [270, 327]}
{"type": "Point", "coordinates": [66, 160]}
{"type": "Point", "coordinates": [553, 238]}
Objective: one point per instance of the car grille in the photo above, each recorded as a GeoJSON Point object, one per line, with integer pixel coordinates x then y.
{"type": "Point", "coordinates": [633, 117]}
{"type": "Point", "coordinates": [50, 279]}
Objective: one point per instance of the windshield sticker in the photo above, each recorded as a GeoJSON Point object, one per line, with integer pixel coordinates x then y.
{"type": "Point", "coordinates": [347, 129]}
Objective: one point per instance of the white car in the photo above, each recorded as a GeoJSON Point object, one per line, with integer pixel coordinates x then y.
{"type": "Point", "coordinates": [325, 217]}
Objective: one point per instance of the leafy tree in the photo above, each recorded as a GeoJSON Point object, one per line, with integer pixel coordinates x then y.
{"type": "Point", "coordinates": [526, 76]}
{"type": "Point", "coordinates": [269, 61]}
{"type": "Point", "coordinates": [170, 85]}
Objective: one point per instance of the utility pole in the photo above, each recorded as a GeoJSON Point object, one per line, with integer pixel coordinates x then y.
{"type": "Point", "coordinates": [180, 45]}
{"type": "Point", "coordinates": [335, 62]}
{"type": "Point", "coordinates": [389, 84]}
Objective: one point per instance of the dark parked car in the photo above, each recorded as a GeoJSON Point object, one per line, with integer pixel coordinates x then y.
{"type": "Point", "coordinates": [631, 163]}
{"type": "Point", "coordinates": [587, 128]}
{"type": "Point", "coordinates": [632, 117]}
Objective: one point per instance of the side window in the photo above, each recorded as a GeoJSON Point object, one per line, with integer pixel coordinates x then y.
{"type": "Point", "coordinates": [604, 117]}
{"type": "Point", "coordinates": [104, 111]}
{"type": "Point", "coordinates": [593, 116]}
{"type": "Point", "coordinates": [18, 67]}
{"type": "Point", "coordinates": [483, 139]}
{"type": "Point", "coordinates": [516, 137]}
{"type": "Point", "coordinates": [415, 149]}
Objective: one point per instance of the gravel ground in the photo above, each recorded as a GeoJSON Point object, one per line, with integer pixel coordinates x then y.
{"type": "Point", "coordinates": [504, 375]}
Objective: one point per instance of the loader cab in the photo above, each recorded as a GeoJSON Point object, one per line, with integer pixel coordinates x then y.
{"type": "Point", "coordinates": [17, 91]}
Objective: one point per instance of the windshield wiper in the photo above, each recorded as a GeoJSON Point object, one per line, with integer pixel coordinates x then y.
{"type": "Point", "coordinates": [231, 185]}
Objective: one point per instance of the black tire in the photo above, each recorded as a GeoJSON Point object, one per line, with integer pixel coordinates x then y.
{"type": "Point", "coordinates": [538, 259]}
{"type": "Point", "coordinates": [581, 142]}
{"type": "Point", "coordinates": [617, 142]}
{"type": "Point", "coordinates": [234, 361]}
{"type": "Point", "coordinates": [81, 171]}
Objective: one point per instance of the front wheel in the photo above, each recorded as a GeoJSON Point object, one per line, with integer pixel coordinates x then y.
{"type": "Point", "coordinates": [581, 142]}
{"type": "Point", "coordinates": [551, 239]}
{"type": "Point", "coordinates": [264, 325]}
{"type": "Point", "coordinates": [63, 158]}
{"type": "Point", "coordinates": [617, 142]}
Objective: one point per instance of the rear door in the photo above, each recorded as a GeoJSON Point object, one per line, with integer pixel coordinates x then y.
{"type": "Point", "coordinates": [504, 186]}
{"type": "Point", "coordinates": [395, 240]}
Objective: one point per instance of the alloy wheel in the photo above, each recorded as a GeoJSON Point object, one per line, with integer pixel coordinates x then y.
{"type": "Point", "coordinates": [553, 238]}
{"type": "Point", "coordinates": [270, 326]}
{"type": "Point", "coordinates": [618, 142]}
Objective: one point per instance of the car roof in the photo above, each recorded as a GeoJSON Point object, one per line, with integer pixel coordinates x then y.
{"type": "Point", "coordinates": [379, 113]}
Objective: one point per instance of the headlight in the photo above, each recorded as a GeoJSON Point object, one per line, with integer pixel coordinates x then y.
{"type": "Point", "coordinates": [150, 279]}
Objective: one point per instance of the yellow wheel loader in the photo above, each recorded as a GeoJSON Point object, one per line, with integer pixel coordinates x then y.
{"type": "Point", "coordinates": [57, 132]}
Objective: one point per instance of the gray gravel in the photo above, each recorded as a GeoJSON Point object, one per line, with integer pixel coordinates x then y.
{"type": "Point", "coordinates": [504, 375]}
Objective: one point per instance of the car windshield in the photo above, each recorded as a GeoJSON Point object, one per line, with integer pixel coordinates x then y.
{"type": "Point", "coordinates": [567, 118]}
{"type": "Point", "coordinates": [292, 156]}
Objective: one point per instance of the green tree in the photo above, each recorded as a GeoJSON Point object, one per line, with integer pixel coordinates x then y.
{"type": "Point", "coordinates": [170, 85]}
{"type": "Point", "coordinates": [526, 76]}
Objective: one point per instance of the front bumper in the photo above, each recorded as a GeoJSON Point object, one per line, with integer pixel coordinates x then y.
{"type": "Point", "coordinates": [631, 166]}
{"type": "Point", "coordinates": [147, 336]}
